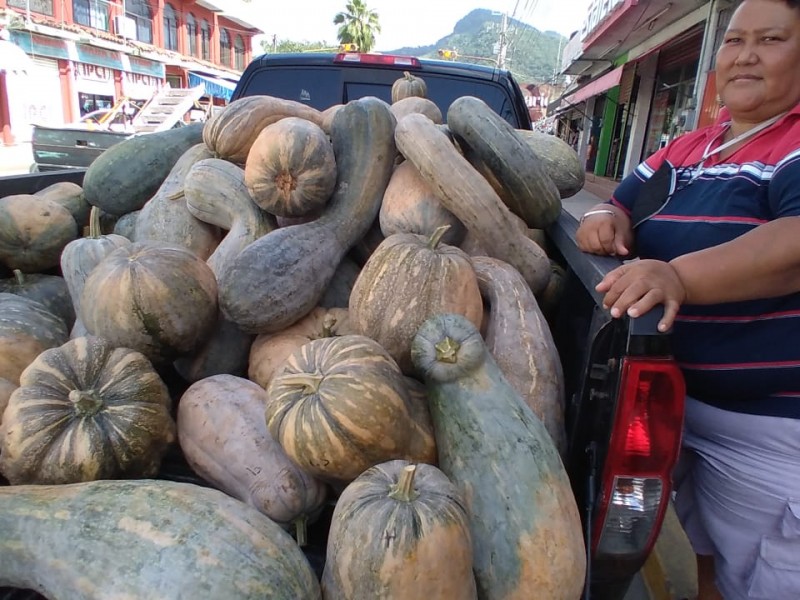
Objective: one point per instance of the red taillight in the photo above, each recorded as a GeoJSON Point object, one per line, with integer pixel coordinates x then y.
{"type": "Point", "coordinates": [644, 448]}
{"type": "Point", "coordinates": [378, 59]}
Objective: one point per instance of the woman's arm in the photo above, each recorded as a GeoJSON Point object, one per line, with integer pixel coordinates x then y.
{"type": "Point", "coordinates": [762, 263]}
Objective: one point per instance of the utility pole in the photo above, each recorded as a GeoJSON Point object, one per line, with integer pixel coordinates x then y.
{"type": "Point", "coordinates": [503, 47]}
{"type": "Point", "coordinates": [274, 43]}
{"type": "Point", "coordinates": [558, 61]}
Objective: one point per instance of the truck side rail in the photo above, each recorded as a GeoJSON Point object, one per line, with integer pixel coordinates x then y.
{"type": "Point", "coordinates": [30, 183]}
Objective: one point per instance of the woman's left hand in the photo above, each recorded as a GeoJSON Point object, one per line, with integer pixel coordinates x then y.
{"type": "Point", "coordinates": [636, 287]}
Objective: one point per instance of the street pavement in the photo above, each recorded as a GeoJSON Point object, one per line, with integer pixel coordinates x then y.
{"type": "Point", "coordinates": [15, 159]}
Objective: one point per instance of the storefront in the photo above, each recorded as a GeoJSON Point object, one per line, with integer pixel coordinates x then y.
{"type": "Point", "coordinates": [673, 103]}
{"type": "Point", "coordinates": [94, 86]}
{"type": "Point", "coordinates": [15, 67]}
{"type": "Point", "coordinates": [37, 97]}
{"type": "Point", "coordinates": [69, 79]}
{"type": "Point", "coordinates": [641, 63]}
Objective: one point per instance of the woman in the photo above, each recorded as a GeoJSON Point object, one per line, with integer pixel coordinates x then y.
{"type": "Point", "coordinates": [713, 218]}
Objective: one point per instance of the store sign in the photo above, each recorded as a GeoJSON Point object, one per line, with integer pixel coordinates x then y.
{"type": "Point", "coordinates": [143, 66]}
{"type": "Point", "coordinates": [99, 56]}
{"type": "Point", "coordinates": [598, 11]}
{"type": "Point", "coordinates": [40, 45]}
{"type": "Point", "coordinates": [140, 87]}
{"type": "Point", "coordinates": [93, 73]}
{"type": "Point", "coordinates": [91, 79]}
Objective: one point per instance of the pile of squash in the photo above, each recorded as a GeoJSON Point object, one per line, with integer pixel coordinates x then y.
{"type": "Point", "coordinates": [353, 305]}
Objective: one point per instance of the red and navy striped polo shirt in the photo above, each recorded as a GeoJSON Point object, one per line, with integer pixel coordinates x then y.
{"type": "Point", "coordinates": [740, 356]}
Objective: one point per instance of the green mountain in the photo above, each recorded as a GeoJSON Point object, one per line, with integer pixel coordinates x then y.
{"type": "Point", "coordinates": [532, 55]}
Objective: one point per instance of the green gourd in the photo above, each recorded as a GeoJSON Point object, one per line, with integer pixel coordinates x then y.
{"type": "Point", "coordinates": [525, 525]}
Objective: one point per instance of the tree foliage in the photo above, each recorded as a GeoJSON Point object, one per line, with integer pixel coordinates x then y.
{"type": "Point", "coordinates": [533, 55]}
{"type": "Point", "coordinates": [357, 25]}
{"type": "Point", "coordinates": [290, 46]}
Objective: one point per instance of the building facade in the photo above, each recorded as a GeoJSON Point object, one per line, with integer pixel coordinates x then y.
{"type": "Point", "coordinates": [62, 59]}
{"type": "Point", "coordinates": [643, 74]}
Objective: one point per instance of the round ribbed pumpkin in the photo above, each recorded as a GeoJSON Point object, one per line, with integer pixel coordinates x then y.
{"type": "Point", "coordinates": [409, 85]}
{"type": "Point", "coordinates": [81, 256]}
{"type": "Point", "coordinates": [230, 133]}
{"type": "Point", "coordinates": [155, 298]}
{"type": "Point", "coordinates": [33, 231]}
{"type": "Point", "coordinates": [410, 206]}
{"type": "Point", "coordinates": [406, 280]}
{"type": "Point", "coordinates": [50, 290]}
{"type": "Point", "coordinates": [291, 170]}
{"type": "Point", "coordinates": [27, 329]}
{"type": "Point", "coordinates": [338, 406]}
{"type": "Point", "coordinates": [400, 532]}
{"type": "Point", "coordinates": [269, 350]}
{"type": "Point", "coordinates": [86, 411]}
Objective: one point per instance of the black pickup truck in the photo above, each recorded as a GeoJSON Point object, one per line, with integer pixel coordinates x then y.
{"type": "Point", "coordinates": [624, 390]}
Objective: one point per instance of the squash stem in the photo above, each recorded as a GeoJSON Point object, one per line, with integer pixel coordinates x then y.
{"type": "Point", "coordinates": [436, 236]}
{"type": "Point", "coordinates": [447, 350]}
{"type": "Point", "coordinates": [87, 403]}
{"type": "Point", "coordinates": [94, 223]}
{"type": "Point", "coordinates": [310, 382]}
{"type": "Point", "coordinates": [301, 530]}
{"type": "Point", "coordinates": [403, 490]}
{"type": "Point", "coordinates": [19, 277]}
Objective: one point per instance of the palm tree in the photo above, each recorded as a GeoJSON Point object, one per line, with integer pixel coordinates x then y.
{"type": "Point", "coordinates": [357, 25]}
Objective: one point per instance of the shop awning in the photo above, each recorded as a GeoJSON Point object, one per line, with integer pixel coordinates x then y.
{"type": "Point", "coordinates": [596, 86]}
{"type": "Point", "coordinates": [219, 88]}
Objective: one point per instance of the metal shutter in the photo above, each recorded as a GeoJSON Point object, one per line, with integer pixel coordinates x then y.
{"type": "Point", "coordinates": [682, 50]}
{"type": "Point", "coordinates": [626, 83]}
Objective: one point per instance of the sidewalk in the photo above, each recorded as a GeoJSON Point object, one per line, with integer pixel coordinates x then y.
{"type": "Point", "coordinates": [595, 190]}
{"type": "Point", "coordinates": [15, 159]}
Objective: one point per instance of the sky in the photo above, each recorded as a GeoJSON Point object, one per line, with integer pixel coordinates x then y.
{"type": "Point", "coordinates": [414, 22]}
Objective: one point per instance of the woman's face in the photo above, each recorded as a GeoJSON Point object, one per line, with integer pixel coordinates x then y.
{"type": "Point", "coordinates": [758, 64]}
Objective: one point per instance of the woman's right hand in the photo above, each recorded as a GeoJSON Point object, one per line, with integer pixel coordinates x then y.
{"type": "Point", "coordinates": [604, 233]}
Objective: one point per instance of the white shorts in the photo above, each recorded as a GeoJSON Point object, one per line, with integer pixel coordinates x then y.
{"type": "Point", "coordinates": [737, 489]}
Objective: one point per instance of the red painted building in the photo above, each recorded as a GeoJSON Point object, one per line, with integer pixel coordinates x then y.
{"type": "Point", "coordinates": [83, 55]}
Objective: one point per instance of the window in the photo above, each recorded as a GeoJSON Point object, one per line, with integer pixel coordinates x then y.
{"type": "Point", "coordinates": [224, 48]}
{"type": "Point", "coordinates": [139, 11]}
{"type": "Point", "coordinates": [205, 40]}
{"type": "Point", "coordinates": [191, 34]}
{"type": "Point", "coordinates": [44, 7]}
{"type": "Point", "coordinates": [325, 86]}
{"type": "Point", "coordinates": [238, 52]}
{"type": "Point", "coordinates": [170, 28]}
{"type": "Point", "coordinates": [92, 103]}
{"type": "Point", "coordinates": [91, 13]}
